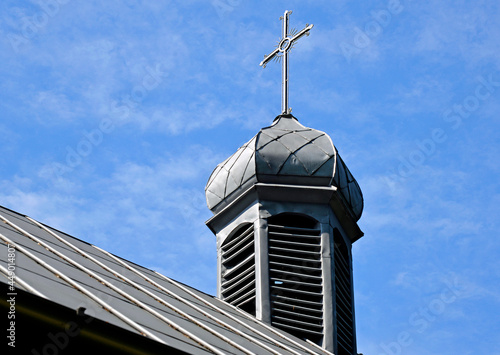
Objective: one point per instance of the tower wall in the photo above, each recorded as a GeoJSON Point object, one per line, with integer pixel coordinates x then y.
{"type": "Point", "coordinates": [298, 284]}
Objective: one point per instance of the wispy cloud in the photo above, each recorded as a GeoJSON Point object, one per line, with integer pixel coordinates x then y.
{"type": "Point", "coordinates": [79, 92]}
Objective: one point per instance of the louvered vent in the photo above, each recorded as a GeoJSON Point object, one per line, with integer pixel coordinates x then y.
{"type": "Point", "coordinates": [343, 299]}
{"type": "Point", "coordinates": [238, 269]}
{"type": "Point", "coordinates": [295, 276]}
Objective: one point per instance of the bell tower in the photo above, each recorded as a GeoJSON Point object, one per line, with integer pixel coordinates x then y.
{"type": "Point", "coordinates": [285, 216]}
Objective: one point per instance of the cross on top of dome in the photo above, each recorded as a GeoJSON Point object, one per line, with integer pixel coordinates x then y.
{"type": "Point", "coordinates": [284, 46]}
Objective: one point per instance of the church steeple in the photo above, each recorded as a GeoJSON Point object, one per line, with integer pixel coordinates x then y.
{"type": "Point", "coordinates": [285, 216]}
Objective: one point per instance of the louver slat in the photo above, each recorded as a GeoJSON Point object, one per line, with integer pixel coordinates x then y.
{"type": "Point", "coordinates": [303, 253]}
{"type": "Point", "coordinates": [249, 294]}
{"type": "Point", "coordinates": [295, 279]}
{"type": "Point", "coordinates": [343, 306]}
{"type": "Point", "coordinates": [343, 298]}
{"type": "Point", "coordinates": [237, 293]}
{"type": "Point", "coordinates": [298, 283]}
{"type": "Point", "coordinates": [246, 275]}
{"type": "Point", "coordinates": [299, 301]}
{"type": "Point", "coordinates": [238, 269]}
{"type": "Point", "coordinates": [237, 238]}
{"type": "Point", "coordinates": [342, 260]}
{"type": "Point", "coordinates": [244, 302]}
{"type": "Point", "coordinates": [242, 242]}
{"type": "Point", "coordinates": [293, 230]}
{"type": "Point", "coordinates": [341, 326]}
{"type": "Point", "coordinates": [343, 339]}
{"type": "Point", "coordinates": [297, 330]}
{"type": "Point", "coordinates": [288, 236]}
{"type": "Point", "coordinates": [295, 291]}
{"type": "Point", "coordinates": [293, 244]}
{"type": "Point", "coordinates": [306, 325]}
{"type": "Point", "coordinates": [230, 256]}
{"type": "Point", "coordinates": [341, 277]}
{"type": "Point", "coordinates": [298, 308]}
{"type": "Point", "coordinates": [295, 274]}
{"type": "Point", "coordinates": [294, 267]}
{"type": "Point", "coordinates": [248, 262]}
{"type": "Point", "coordinates": [298, 314]}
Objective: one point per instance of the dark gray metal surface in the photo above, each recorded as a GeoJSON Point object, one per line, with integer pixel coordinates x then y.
{"type": "Point", "coordinates": [286, 153]}
{"type": "Point", "coordinates": [197, 315]}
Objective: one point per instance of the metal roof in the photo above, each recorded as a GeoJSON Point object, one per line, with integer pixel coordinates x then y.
{"type": "Point", "coordinates": [287, 153]}
{"type": "Point", "coordinates": [72, 273]}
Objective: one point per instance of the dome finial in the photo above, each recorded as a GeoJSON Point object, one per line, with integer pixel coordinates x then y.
{"type": "Point", "coordinates": [284, 46]}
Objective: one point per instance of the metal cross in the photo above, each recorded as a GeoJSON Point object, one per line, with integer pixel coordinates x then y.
{"type": "Point", "coordinates": [284, 46]}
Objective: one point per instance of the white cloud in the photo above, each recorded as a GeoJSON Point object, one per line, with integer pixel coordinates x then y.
{"type": "Point", "coordinates": [140, 195]}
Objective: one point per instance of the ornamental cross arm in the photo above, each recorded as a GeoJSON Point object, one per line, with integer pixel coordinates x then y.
{"type": "Point", "coordinates": [281, 51]}
{"type": "Point", "coordinates": [269, 57]}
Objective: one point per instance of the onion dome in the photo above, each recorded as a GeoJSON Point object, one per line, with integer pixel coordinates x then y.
{"type": "Point", "coordinates": [284, 153]}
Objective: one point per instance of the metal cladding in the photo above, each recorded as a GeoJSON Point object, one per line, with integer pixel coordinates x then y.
{"type": "Point", "coordinates": [70, 275]}
{"type": "Point", "coordinates": [286, 153]}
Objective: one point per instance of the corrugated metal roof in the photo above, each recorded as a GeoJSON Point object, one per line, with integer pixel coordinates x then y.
{"type": "Point", "coordinates": [76, 274]}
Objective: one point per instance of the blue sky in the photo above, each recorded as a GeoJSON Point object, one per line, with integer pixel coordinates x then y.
{"type": "Point", "coordinates": [114, 114]}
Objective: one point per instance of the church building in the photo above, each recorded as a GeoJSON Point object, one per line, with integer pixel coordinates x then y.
{"type": "Point", "coordinates": [285, 210]}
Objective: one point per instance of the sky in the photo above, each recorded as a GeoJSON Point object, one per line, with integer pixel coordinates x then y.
{"type": "Point", "coordinates": [113, 114]}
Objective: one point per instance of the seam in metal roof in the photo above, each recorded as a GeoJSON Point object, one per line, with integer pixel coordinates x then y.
{"type": "Point", "coordinates": [82, 289]}
{"type": "Point", "coordinates": [203, 323]}
{"type": "Point", "coordinates": [276, 331]}
{"type": "Point", "coordinates": [169, 322]}
{"type": "Point", "coordinates": [193, 305]}
{"type": "Point", "coordinates": [23, 284]}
